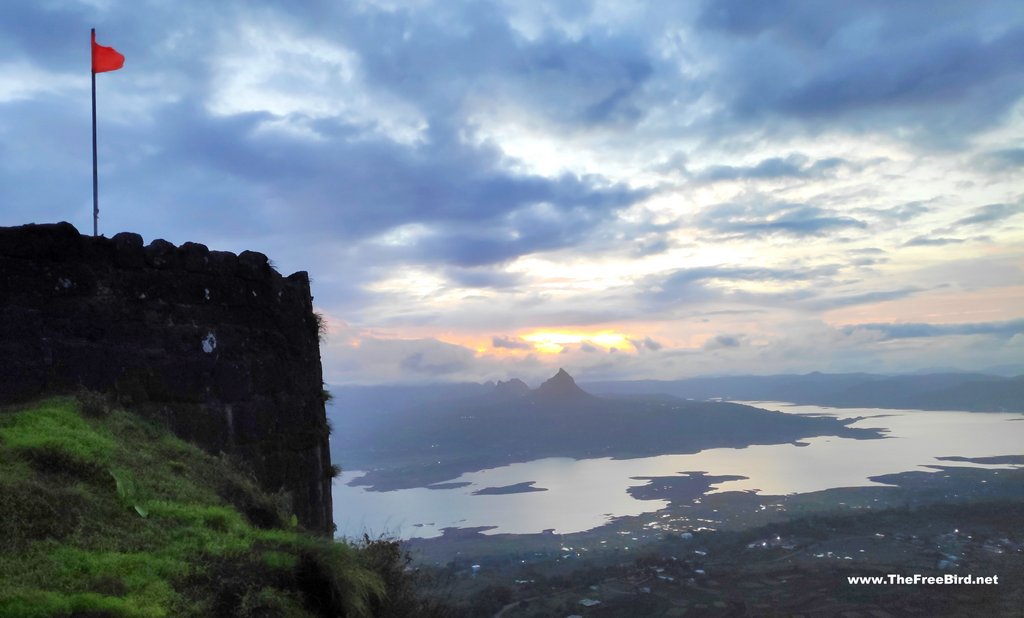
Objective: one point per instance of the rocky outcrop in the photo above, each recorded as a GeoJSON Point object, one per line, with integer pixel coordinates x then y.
{"type": "Point", "coordinates": [219, 346]}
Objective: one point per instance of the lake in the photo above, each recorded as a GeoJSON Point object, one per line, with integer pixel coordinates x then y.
{"type": "Point", "coordinates": [584, 494]}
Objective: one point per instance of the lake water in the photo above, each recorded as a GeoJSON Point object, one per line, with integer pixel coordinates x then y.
{"type": "Point", "coordinates": [584, 494]}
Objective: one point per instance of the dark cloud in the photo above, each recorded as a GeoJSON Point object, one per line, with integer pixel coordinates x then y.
{"type": "Point", "coordinates": [509, 343]}
{"type": "Point", "coordinates": [946, 69]}
{"type": "Point", "coordinates": [763, 218]}
{"type": "Point", "coordinates": [688, 285]}
{"type": "Point", "coordinates": [1000, 160]}
{"type": "Point", "coordinates": [482, 278]}
{"type": "Point", "coordinates": [651, 246]}
{"type": "Point", "coordinates": [933, 241]}
{"type": "Point", "coordinates": [723, 342]}
{"type": "Point", "coordinates": [867, 261]}
{"type": "Point", "coordinates": [418, 363]}
{"type": "Point", "coordinates": [474, 212]}
{"type": "Point", "coordinates": [901, 213]}
{"type": "Point", "coordinates": [440, 54]}
{"type": "Point", "coordinates": [941, 72]}
{"type": "Point", "coordinates": [793, 166]}
{"type": "Point", "coordinates": [541, 226]}
{"type": "Point", "coordinates": [915, 330]}
{"type": "Point", "coordinates": [991, 213]}
{"type": "Point", "coordinates": [732, 273]}
{"type": "Point", "coordinates": [866, 298]}
{"type": "Point", "coordinates": [646, 344]}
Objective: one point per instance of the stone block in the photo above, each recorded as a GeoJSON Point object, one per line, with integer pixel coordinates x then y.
{"type": "Point", "coordinates": [195, 257]}
{"type": "Point", "coordinates": [128, 251]}
{"type": "Point", "coordinates": [253, 265]}
{"type": "Point", "coordinates": [223, 263]}
{"type": "Point", "coordinates": [162, 254]}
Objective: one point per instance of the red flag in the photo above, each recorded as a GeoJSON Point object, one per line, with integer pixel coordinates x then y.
{"type": "Point", "coordinates": [105, 58]}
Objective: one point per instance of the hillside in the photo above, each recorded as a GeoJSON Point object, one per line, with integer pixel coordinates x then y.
{"type": "Point", "coordinates": [107, 514]}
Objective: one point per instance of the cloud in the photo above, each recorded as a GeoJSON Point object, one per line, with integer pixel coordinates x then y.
{"type": "Point", "coordinates": [1002, 160]}
{"type": "Point", "coordinates": [355, 357]}
{"type": "Point", "coordinates": [991, 213]}
{"type": "Point", "coordinates": [901, 213]}
{"type": "Point", "coordinates": [417, 363]}
{"type": "Point", "coordinates": [865, 298]}
{"type": "Point", "coordinates": [1004, 330]}
{"type": "Point", "coordinates": [646, 344]}
{"type": "Point", "coordinates": [943, 69]}
{"type": "Point", "coordinates": [757, 219]}
{"type": "Point", "coordinates": [684, 277]}
{"type": "Point", "coordinates": [482, 278]}
{"type": "Point", "coordinates": [691, 286]}
{"type": "Point", "coordinates": [792, 166]}
{"type": "Point", "coordinates": [719, 342]}
{"type": "Point", "coordinates": [940, 73]}
{"type": "Point", "coordinates": [510, 344]}
{"type": "Point", "coordinates": [929, 241]}
{"type": "Point", "coordinates": [548, 223]}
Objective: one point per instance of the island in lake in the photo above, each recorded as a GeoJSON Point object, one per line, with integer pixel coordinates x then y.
{"type": "Point", "coordinates": [518, 488]}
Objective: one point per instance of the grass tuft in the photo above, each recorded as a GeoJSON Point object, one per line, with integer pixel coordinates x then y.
{"type": "Point", "coordinates": [93, 404]}
{"type": "Point", "coordinates": [56, 427]}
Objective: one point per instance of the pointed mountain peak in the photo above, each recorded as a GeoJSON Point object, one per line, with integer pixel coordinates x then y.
{"type": "Point", "coordinates": [562, 386]}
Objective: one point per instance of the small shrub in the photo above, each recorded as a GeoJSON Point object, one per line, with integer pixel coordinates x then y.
{"type": "Point", "coordinates": [321, 325]}
{"type": "Point", "coordinates": [234, 581]}
{"type": "Point", "coordinates": [409, 592]}
{"type": "Point", "coordinates": [267, 601]}
{"type": "Point", "coordinates": [334, 471]}
{"type": "Point", "coordinates": [335, 583]}
{"type": "Point", "coordinates": [262, 510]}
{"type": "Point", "coordinates": [93, 404]}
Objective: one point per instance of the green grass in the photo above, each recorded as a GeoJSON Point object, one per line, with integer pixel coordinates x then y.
{"type": "Point", "coordinates": [110, 515]}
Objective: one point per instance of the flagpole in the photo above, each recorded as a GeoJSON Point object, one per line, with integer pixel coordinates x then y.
{"type": "Point", "coordinates": [95, 174]}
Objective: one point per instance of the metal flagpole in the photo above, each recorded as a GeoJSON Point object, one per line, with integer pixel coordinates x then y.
{"type": "Point", "coordinates": [95, 175]}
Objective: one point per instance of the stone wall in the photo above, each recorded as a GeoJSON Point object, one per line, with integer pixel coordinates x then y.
{"type": "Point", "coordinates": [221, 347]}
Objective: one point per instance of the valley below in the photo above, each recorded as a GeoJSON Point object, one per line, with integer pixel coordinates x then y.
{"type": "Point", "coordinates": [658, 506]}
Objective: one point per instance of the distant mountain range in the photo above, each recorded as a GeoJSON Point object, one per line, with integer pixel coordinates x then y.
{"type": "Point", "coordinates": [416, 436]}
{"type": "Point", "coordinates": [972, 392]}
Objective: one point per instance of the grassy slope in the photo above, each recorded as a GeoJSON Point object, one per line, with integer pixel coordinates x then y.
{"type": "Point", "coordinates": [106, 514]}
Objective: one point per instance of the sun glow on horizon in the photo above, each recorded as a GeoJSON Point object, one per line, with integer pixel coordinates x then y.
{"type": "Point", "coordinates": [553, 342]}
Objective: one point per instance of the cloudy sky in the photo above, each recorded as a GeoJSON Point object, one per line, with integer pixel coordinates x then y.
{"type": "Point", "coordinates": [485, 189]}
